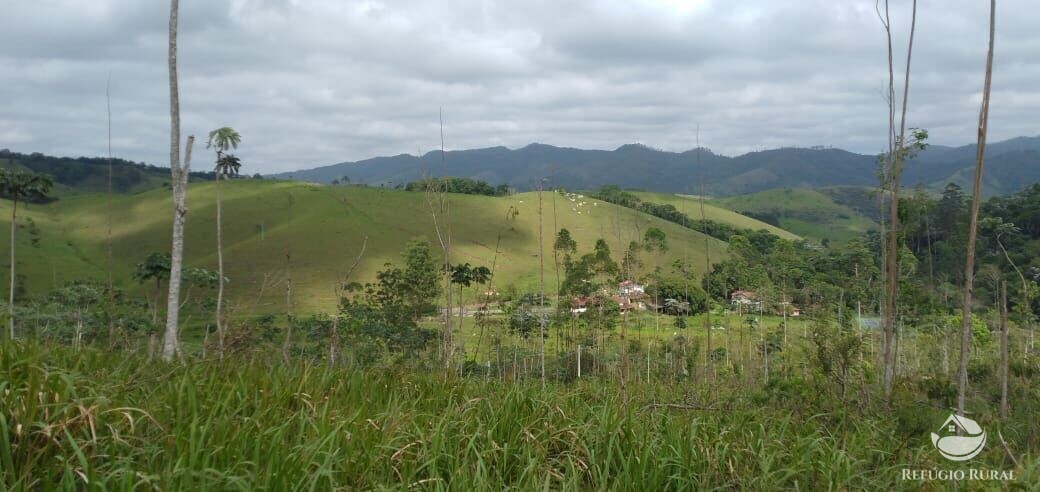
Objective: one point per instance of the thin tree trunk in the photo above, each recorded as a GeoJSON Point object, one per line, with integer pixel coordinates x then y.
{"type": "Point", "coordinates": [171, 344]}
{"type": "Point", "coordinates": [110, 295]}
{"type": "Point", "coordinates": [287, 343]}
{"type": "Point", "coordinates": [710, 362]}
{"type": "Point", "coordinates": [220, 273]}
{"type": "Point", "coordinates": [447, 343]}
{"type": "Point", "coordinates": [1025, 287]}
{"type": "Point", "coordinates": [333, 339]}
{"type": "Point", "coordinates": [10, 299]}
{"type": "Point", "coordinates": [973, 224]}
{"type": "Point", "coordinates": [1003, 352]}
{"type": "Point", "coordinates": [179, 182]}
{"type": "Point", "coordinates": [556, 265]}
{"type": "Point", "coordinates": [892, 261]}
{"type": "Point", "coordinates": [541, 281]}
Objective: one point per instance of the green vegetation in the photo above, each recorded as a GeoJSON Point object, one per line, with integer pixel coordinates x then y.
{"type": "Point", "coordinates": [323, 227]}
{"type": "Point", "coordinates": [758, 374]}
{"type": "Point", "coordinates": [463, 186]}
{"type": "Point", "coordinates": [690, 205]}
{"type": "Point", "coordinates": [719, 229]}
{"type": "Point", "coordinates": [808, 213]}
{"type": "Point", "coordinates": [117, 420]}
{"type": "Point", "coordinates": [82, 175]}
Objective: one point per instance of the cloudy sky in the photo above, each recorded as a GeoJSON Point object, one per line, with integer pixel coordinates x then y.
{"type": "Point", "coordinates": [315, 82]}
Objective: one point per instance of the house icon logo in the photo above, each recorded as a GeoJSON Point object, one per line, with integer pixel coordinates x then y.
{"type": "Point", "coordinates": [959, 439]}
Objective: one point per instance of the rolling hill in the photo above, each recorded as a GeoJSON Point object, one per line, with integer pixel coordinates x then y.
{"type": "Point", "coordinates": [809, 213]}
{"type": "Point", "coordinates": [690, 205]}
{"type": "Point", "coordinates": [323, 229]}
{"type": "Point", "coordinates": [1013, 164]}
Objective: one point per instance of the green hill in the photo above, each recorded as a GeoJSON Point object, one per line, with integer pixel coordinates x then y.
{"type": "Point", "coordinates": [323, 227]}
{"type": "Point", "coordinates": [79, 175]}
{"type": "Point", "coordinates": [690, 205]}
{"type": "Point", "coordinates": [806, 212]}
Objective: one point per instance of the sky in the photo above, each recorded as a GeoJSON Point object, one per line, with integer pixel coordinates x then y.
{"type": "Point", "coordinates": [316, 82]}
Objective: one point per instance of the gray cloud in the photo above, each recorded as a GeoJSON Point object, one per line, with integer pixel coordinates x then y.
{"type": "Point", "coordinates": [315, 82]}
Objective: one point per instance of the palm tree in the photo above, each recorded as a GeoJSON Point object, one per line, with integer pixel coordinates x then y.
{"type": "Point", "coordinates": [222, 139]}
{"type": "Point", "coordinates": [20, 186]}
{"type": "Point", "coordinates": [461, 275]}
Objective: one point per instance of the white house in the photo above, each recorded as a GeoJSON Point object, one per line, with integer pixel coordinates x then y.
{"type": "Point", "coordinates": [630, 288]}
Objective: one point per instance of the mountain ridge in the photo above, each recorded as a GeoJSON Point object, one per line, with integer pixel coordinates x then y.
{"type": "Point", "coordinates": [639, 166]}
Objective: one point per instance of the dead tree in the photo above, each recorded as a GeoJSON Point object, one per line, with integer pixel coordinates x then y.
{"type": "Point", "coordinates": [973, 222]}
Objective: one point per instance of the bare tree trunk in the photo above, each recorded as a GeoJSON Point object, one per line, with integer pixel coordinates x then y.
{"type": "Point", "coordinates": [220, 274]}
{"type": "Point", "coordinates": [1003, 351]}
{"type": "Point", "coordinates": [287, 343]}
{"type": "Point", "coordinates": [340, 284]}
{"type": "Point", "coordinates": [179, 182]}
{"type": "Point", "coordinates": [110, 295]}
{"type": "Point", "coordinates": [541, 281]}
{"type": "Point", "coordinates": [765, 341]}
{"type": "Point", "coordinates": [1025, 291]}
{"type": "Point", "coordinates": [895, 170]}
{"type": "Point", "coordinates": [710, 362]}
{"type": "Point", "coordinates": [171, 344]}
{"type": "Point", "coordinates": [445, 240]}
{"type": "Point", "coordinates": [973, 224]}
{"type": "Point", "coordinates": [10, 298]}
{"type": "Point", "coordinates": [333, 339]}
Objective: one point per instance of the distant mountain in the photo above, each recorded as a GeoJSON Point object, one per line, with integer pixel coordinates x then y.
{"type": "Point", "coordinates": [1011, 165]}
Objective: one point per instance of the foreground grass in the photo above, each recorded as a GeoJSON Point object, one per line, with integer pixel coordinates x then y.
{"type": "Point", "coordinates": [115, 420]}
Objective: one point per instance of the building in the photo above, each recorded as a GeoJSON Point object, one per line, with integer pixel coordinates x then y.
{"type": "Point", "coordinates": [745, 298]}
{"type": "Point", "coordinates": [579, 305]}
{"type": "Point", "coordinates": [630, 288]}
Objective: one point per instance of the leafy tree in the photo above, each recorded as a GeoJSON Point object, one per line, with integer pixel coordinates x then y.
{"type": "Point", "coordinates": [526, 314]}
{"type": "Point", "coordinates": [155, 267]}
{"type": "Point", "coordinates": [20, 186]}
{"type": "Point", "coordinates": [590, 272]}
{"type": "Point", "coordinates": [838, 351]}
{"type": "Point", "coordinates": [465, 275]}
{"type": "Point", "coordinates": [679, 299]}
{"type": "Point", "coordinates": [409, 293]}
{"type": "Point", "coordinates": [564, 243]}
{"type": "Point", "coordinates": [655, 239]}
{"type": "Point", "coordinates": [452, 184]}
{"type": "Point", "coordinates": [630, 262]}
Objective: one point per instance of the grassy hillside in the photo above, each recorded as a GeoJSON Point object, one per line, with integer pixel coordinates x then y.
{"type": "Point", "coordinates": [323, 228]}
{"type": "Point", "coordinates": [690, 205]}
{"type": "Point", "coordinates": [809, 213]}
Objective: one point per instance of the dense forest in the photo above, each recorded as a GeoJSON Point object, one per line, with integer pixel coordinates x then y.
{"type": "Point", "coordinates": [91, 174]}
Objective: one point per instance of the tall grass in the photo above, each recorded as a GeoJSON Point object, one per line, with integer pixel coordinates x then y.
{"type": "Point", "coordinates": [91, 419]}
